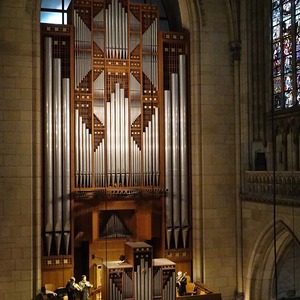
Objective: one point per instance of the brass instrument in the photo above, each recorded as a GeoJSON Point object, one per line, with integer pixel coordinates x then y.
{"type": "Point", "coordinates": [181, 278]}
{"type": "Point", "coordinates": [77, 286]}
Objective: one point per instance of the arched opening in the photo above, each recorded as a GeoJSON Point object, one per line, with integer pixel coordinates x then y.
{"type": "Point", "coordinates": [261, 276]}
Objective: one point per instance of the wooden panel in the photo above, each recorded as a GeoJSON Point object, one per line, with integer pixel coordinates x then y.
{"type": "Point", "coordinates": [201, 297]}
{"type": "Point", "coordinates": [57, 277]}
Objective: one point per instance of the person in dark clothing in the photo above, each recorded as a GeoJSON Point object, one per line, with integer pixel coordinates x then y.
{"type": "Point", "coordinates": [72, 287]}
{"type": "Point", "coordinates": [181, 282]}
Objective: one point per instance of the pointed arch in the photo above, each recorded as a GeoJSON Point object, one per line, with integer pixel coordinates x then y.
{"type": "Point", "coordinates": [260, 274]}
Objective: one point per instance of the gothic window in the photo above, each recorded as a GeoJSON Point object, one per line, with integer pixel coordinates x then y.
{"type": "Point", "coordinates": [286, 53]}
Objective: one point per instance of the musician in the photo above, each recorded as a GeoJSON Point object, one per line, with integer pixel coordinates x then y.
{"type": "Point", "coordinates": [72, 287]}
{"type": "Point", "coordinates": [181, 282]}
{"type": "Point", "coordinates": [85, 285]}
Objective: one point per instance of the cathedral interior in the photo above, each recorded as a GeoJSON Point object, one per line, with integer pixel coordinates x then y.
{"type": "Point", "coordinates": [141, 139]}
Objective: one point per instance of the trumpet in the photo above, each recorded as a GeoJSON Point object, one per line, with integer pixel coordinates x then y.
{"type": "Point", "coordinates": [77, 287]}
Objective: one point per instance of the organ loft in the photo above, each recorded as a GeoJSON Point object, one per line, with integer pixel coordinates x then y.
{"type": "Point", "coordinates": [116, 163]}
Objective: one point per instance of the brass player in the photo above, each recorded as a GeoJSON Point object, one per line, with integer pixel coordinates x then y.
{"type": "Point", "coordinates": [72, 287]}
{"type": "Point", "coordinates": [181, 282]}
{"type": "Point", "coordinates": [85, 286]}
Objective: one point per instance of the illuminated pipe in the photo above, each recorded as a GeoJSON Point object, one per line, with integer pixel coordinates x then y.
{"type": "Point", "coordinates": [108, 137]}
{"type": "Point", "coordinates": [156, 146]}
{"type": "Point", "coordinates": [107, 32]}
{"type": "Point", "coordinates": [168, 165]}
{"type": "Point", "coordinates": [48, 237]}
{"type": "Point", "coordinates": [83, 157]}
{"type": "Point", "coordinates": [113, 139]}
{"type": "Point", "coordinates": [153, 148]}
{"type": "Point", "coordinates": [133, 166]}
{"type": "Point", "coordinates": [96, 166]}
{"type": "Point", "coordinates": [117, 133]}
{"type": "Point", "coordinates": [80, 151]}
{"type": "Point", "coordinates": [113, 32]}
{"type": "Point", "coordinates": [126, 138]}
{"type": "Point", "coordinates": [76, 129]}
{"type": "Point", "coordinates": [146, 156]}
{"type": "Point", "coordinates": [183, 149]}
{"type": "Point", "coordinates": [57, 131]}
{"type": "Point", "coordinates": [135, 285]}
{"type": "Point", "coordinates": [110, 289]}
{"type": "Point", "coordinates": [149, 153]}
{"type": "Point", "coordinates": [48, 148]}
{"type": "Point", "coordinates": [175, 157]}
{"type": "Point", "coordinates": [66, 156]}
{"type": "Point", "coordinates": [143, 282]}
{"type": "Point", "coordinates": [102, 161]}
{"type": "Point", "coordinates": [123, 141]}
{"type": "Point", "coordinates": [89, 161]}
{"type": "Point", "coordinates": [124, 33]}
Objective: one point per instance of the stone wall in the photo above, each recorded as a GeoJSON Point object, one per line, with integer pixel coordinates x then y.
{"type": "Point", "coordinates": [20, 155]}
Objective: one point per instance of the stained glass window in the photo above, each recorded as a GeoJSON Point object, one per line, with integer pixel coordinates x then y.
{"type": "Point", "coordinates": [286, 53]}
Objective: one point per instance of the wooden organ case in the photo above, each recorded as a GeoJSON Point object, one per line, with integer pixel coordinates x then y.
{"type": "Point", "coordinates": [116, 155]}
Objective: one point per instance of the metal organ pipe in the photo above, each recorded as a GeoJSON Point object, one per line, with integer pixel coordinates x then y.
{"type": "Point", "coordinates": [57, 153]}
{"type": "Point", "coordinates": [48, 157]}
{"type": "Point", "coordinates": [118, 141]}
{"type": "Point", "coordinates": [116, 31]}
{"type": "Point", "coordinates": [183, 149]}
{"type": "Point", "coordinates": [83, 152]}
{"type": "Point", "coordinates": [126, 138]}
{"type": "Point", "coordinates": [176, 164]}
{"type": "Point", "coordinates": [151, 151]}
{"type": "Point", "coordinates": [57, 134]}
{"type": "Point", "coordinates": [168, 166]}
{"type": "Point", "coordinates": [99, 164]}
{"type": "Point", "coordinates": [66, 162]}
{"type": "Point", "coordinates": [175, 158]}
{"type": "Point", "coordinates": [150, 64]}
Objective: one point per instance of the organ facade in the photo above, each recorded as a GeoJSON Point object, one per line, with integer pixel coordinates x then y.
{"type": "Point", "coordinates": [116, 163]}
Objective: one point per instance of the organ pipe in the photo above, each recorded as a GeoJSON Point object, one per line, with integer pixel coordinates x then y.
{"type": "Point", "coordinates": [176, 174]}
{"type": "Point", "coordinates": [57, 153]}
{"type": "Point", "coordinates": [57, 128]}
{"type": "Point", "coordinates": [66, 161]}
{"type": "Point", "coordinates": [116, 31]}
{"type": "Point", "coordinates": [168, 166]}
{"type": "Point", "coordinates": [175, 158]}
{"type": "Point", "coordinates": [83, 152]}
{"type": "Point", "coordinates": [48, 148]}
{"type": "Point", "coordinates": [183, 148]}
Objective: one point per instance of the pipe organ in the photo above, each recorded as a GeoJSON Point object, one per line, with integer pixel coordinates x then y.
{"type": "Point", "coordinates": [115, 128]}
{"type": "Point", "coordinates": [140, 276]}
{"type": "Point", "coordinates": [57, 170]}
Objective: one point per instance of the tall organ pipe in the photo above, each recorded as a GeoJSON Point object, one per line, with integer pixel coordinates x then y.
{"type": "Point", "coordinates": [108, 137]}
{"type": "Point", "coordinates": [116, 31]}
{"type": "Point", "coordinates": [183, 148]}
{"type": "Point", "coordinates": [175, 158]}
{"type": "Point", "coordinates": [66, 161]}
{"type": "Point", "coordinates": [57, 150]}
{"type": "Point", "coordinates": [77, 148]}
{"type": "Point", "coordinates": [156, 146]}
{"type": "Point", "coordinates": [48, 158]}
{"type": "Point", "coordinates": [168, 165]}
{"type": "Point", "coordinates": [118, 119]}
{"type": "Point", "coordinates": [126, 137]}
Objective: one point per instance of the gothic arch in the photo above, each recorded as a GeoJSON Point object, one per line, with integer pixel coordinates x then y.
{"type": "Point", "coordinates": [261, 270]}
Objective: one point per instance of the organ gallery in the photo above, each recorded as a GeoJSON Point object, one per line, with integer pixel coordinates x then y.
{"type": "Point", "coordinates": [116, 163]}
